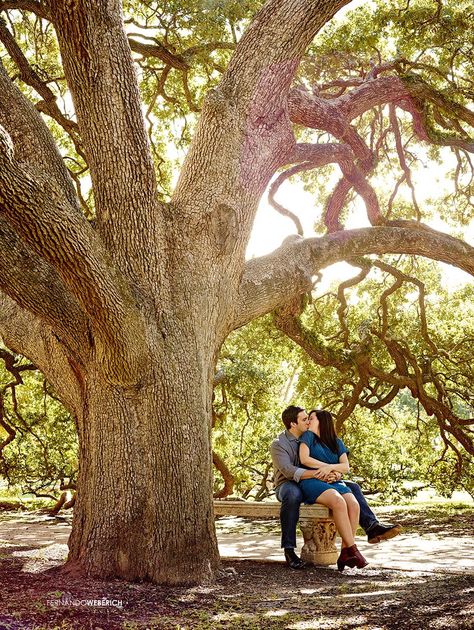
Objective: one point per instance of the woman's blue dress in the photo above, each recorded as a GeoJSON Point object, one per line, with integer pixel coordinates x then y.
{"type": "Point", "coordinates": [312, 488]}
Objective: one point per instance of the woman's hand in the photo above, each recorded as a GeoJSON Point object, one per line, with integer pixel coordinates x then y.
{"type": "Point", "coordinates": [323, 472]}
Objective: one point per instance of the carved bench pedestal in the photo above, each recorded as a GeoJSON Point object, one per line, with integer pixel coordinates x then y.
{"type": "Point", "coordinates": [319, 541]}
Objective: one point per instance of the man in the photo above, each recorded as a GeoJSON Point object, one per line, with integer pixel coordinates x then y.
{"type": "Point", "coordinates": [287, 474]}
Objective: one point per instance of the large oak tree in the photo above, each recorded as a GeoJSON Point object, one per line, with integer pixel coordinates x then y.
{"type": "Point", "coordinates": [125, 314]}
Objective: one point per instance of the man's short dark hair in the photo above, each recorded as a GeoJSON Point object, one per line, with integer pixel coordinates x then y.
{"type": "Point", "coordinates": [290, 415]}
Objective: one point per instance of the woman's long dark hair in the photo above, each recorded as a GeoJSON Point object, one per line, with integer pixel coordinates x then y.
{"type": "Point", "coordinates": [327, 432]}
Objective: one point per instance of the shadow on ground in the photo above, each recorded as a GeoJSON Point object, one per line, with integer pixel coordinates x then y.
{"type": "Point", "coordinates": [247, 595]}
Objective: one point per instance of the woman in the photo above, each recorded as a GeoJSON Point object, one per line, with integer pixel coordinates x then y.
{"type": "Point", "coordinates": [321, 448]}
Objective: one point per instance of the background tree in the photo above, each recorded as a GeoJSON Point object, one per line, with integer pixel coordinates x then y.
{"type": "Point", "coordinates": [399, 354]}
{"type": "Point", "coordinates": [258, 366]}
{"type": "Point", "coordinates": [125, 301]}
{"type": "Point", "coordinates": [38, 441]}
{"type": "Point", "coordinates": [341, 363]}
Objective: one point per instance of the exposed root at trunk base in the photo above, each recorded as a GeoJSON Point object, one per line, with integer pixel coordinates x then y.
{"type": "Point", "coordinates": [164, 576]}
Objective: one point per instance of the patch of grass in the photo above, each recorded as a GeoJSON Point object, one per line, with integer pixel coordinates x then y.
{"type": "Point", "coordinates": [15, 502]}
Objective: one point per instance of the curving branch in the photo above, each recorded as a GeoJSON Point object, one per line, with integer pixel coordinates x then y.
{"type": "Point", "coordinates": [276, 185]}
{"type": "Point", "coordinates": [227, 476]}
{"type": "Point", "coordinates": [33, 142]}
{"type": "Point", "coordinates": [342, 309]}
{"type": "Point", "coordinates": [25, 334]}
{"type": "Point", "coordinates": [286, 319]}
{"type": "Point", "coordinates": [34, 6]}
{"type": "Point", "coordinates": [10, 362]}
{"type": "Point", "coordinates": [10, 431]}
{"type": "Point", "coordinates": [208, 47]}
{"type": "Point", "coordinates": [48, 105]}
{"type": "Point", "coordinates": [270, 281]}
{"type": "Point", "coordinates": [408, 91]}
{"type": "Point", "coordinates": [187, 93]}
{"type": "Point", "coordinates": [350, 402]}
{"type": "Point", "coordinates": [434, 406]}
{"type": "Point", "coordinates": [36, 286]}
{"type": "Point", "coordinates": [335, 205]}
{"type": "Point", "coordinates": [58, 234]}
{"type": "Point", "coordinates": [101, 76]}
{"type": "Point", "coordinates": [356, 162]}
{"type": "Point", "coordinates": [180, 61]}
{"type": "Point", "coordinates": [157, 50]}
{"type": "Point", "coordinates": [293, 26]}
{"type": "Point", "coordinates": [401, 158]}
{"type": "Point", "coordinates": [245, 118]}
{"type": "Point", "coordinates": [311, 156]}
{"type": "Point", "coordinates": [401, 278]}
{"type": "Point", "coordinates": [405, 90]}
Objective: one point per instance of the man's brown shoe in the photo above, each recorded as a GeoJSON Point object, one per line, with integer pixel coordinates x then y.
{"type": "Point", "coordinates": [382, 532]}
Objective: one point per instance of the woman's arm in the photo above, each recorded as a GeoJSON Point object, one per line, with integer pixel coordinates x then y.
{"type": "Point", "coordinates": [310, 461]}
{"type": "Point", "coordinates": [307, 460]}
{"type": "Point", "coordinates": [343, 466]}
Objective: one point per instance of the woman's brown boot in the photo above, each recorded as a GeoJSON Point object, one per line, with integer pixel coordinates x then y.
{"type": "Point", "coordinates": [351, 557]}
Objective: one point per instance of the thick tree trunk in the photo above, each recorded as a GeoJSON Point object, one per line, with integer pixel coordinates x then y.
{"type": "Point", "coordinates": [144, 508]}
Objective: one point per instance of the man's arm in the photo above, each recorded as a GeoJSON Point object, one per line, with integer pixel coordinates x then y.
{"type": "Point", "coordinates": [284, 462]}
{"type": "Point", "coordinates": [314, 463]}
{"type": "Point", "coordinates": [312, 473]}
{"type": "Point", "coordinates": [311, 462]}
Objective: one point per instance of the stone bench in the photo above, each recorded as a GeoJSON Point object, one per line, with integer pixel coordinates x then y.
{"type": "Point", "coordinates": [317, 526]}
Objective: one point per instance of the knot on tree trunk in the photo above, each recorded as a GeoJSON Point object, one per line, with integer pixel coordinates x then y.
{"type": "Point", "coordinates": [224, 227]}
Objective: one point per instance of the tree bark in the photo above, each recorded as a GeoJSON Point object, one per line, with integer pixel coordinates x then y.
{"type": "Point", "coordinates": [28, 335]}
{"type": "Point", "coordinates": [143, 508]}
{"type": "Point", "coordinates": [275, 279]}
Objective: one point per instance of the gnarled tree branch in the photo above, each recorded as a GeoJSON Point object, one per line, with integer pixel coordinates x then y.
{"type": "Point", "coordinates": [25, 334]}
{"type": "Point", "coordinates": [36, 7]}
{"type": "Point", "coordinates": [54, 231]}
{"type": "Point", "coordinates": [270, 281]}
{"type": "Point", "coordinates": [100, 74]}
{"type": "Point", "coordinates": [247, 112]}
{"type": "Point", "coordinates": [36, 286]}
{"type": "Point", "coordinates": [34, 143]}
{"type": "Point", "coordinates": [48, 105]}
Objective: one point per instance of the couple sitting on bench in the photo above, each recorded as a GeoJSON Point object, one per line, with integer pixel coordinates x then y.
{"type": "Point", "coordinates": [309, 461]}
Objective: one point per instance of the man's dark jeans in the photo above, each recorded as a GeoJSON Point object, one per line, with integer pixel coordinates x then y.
{"type": "Point", "coordinates": [367, 518]}
{"type": "Point", "coordinates": [290, 496]}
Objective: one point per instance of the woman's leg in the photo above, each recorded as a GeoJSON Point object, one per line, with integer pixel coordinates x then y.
{"type": "Point", "coordinates": [334, 501]}
{"type": "Point", "coordinates": [353, 510]}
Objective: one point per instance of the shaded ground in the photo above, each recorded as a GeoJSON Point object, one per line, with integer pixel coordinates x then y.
{"type": "Point", "coordinates": [446, 519]}
{"type": "Point", "coordinates": [248, 595]}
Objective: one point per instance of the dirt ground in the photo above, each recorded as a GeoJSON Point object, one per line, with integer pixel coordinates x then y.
{"type": "Point", "coordinates": [247, 595]}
